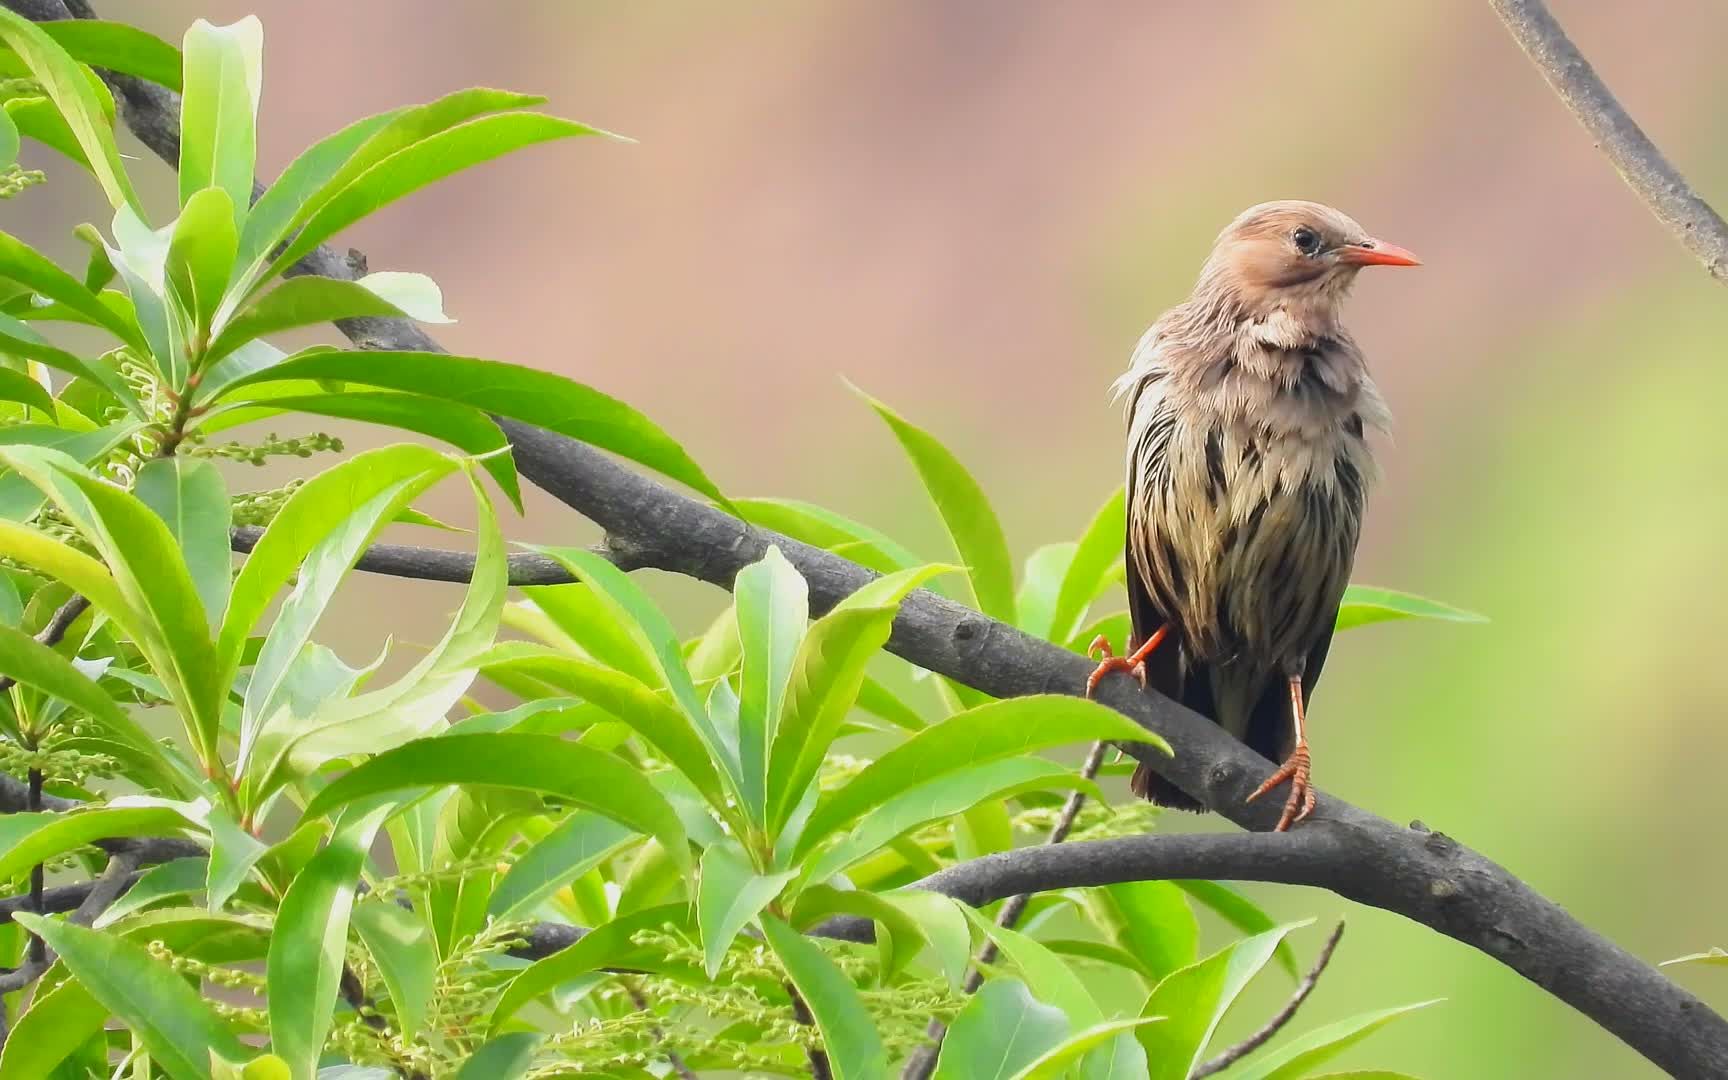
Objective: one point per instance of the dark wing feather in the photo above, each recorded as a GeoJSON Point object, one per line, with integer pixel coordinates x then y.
{"type": "Point", "coordinates": [1165, 675]}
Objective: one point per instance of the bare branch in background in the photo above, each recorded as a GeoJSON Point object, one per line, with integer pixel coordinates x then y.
{"type": "Point", "coordinates": [1283, 1016]}
{"type": "Point", "coordinates": [1423, 875]}
{"type": "Point", "coordinates": [1643, 166]}
{"type": "Point", "coordinates": [432, 564]}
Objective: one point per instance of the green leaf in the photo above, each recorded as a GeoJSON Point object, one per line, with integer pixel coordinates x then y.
{"type": "Point", "coordinates": [1240, 912]}
{"type": "Point", "coordinates": [588, 621]}
{"type": "Point", "coordinates": [17, 386]}
{"type": "Point", "coordinates": [98, 373]}
{"type": "Point", "coordinates": [190, 497]}
{"type": "Point", "coordinates": [1300, 1056]}
{"type": "Point", "coordinates": [946, 795]}
{"type": "Point", "coordinates": [533, 397]}
{"type": "Point", "coordinates": [942, 921]}
{"type": "Point", "coordinates": [1040, 581]}
{"type": "Point", "coordinates": [1194, 999]}
{"type": "Point", "coordinates": [35, 665]}
{"type": "Point", "coordinates": [301, 740]}
{"type": "Point", "coordinates": [28, 267]}
{"type": "Point", "coordinates": [19, 498]}
{"type": "Point", "coordinates": [150, 573]}
{"type": "Point", "coordinates": [883, 703]}
{"type": "Point", "coordinates": [181, 877]}
{"type": "Point", "coordinates": [1048, 974]}
{"type": "Point", "coordinates": [29, 839]}
{"type": "Point", "coordinates": [218, 114]}
{"type": "Point", "coordinates": [118, 47]}
{"type": "Point", "coordinates": [596, 781]}
{"type": "Point", "coordinates": [1714, 957]}
{"type": "Point", "coordinates": [178, 1028]}
{"type": "Point", "coordinates": [855, 1050]}
{"type": "Point", "coordinates": [965, 511]}
{"type": "Point", "coordinates": [989, 732]}
{"type": "Point", "coordinates": [1089, 572]}
{"type": "Point", "coordinates": [821, 527]}
{"type": "Point", "coordinates": [1365, 604]}
{"type": "Point", "coordinates": [827, 674]}
{"type": "Point", "coordinates": [420, 163]}
{"type": "Point", "coordinates": [729, 894]}
{"type": "Point", "coordinates": [772, 604]}
{"type": "Point", "coordinates": [57, 1023]}
{"type": "Point", "coordinates": [70, 87]}
{"type": "Point", "coordinates": [83, 574]}
{"type": "Point", "coordinates": [505, 1058]}
{"type": "Point", "coordinates": [1055, 1062]}
{"type": "Point", "coordinates": [328, 523]}
{"type": "Point", "coordinates": [10, 141]}
{"type": "Point", "coordinates": [310, 942]}
{"type": "Point", "coordinates": [1000, 1032]}
{"type": "Point", "coordinates": [233, 854]}
{"type": "Point", "coordinates": [898, 935]}
{"type": "Point", "coordinates": [141, 260]}
{"type": "Point", "coordinates": [581, 842]}
{"type": "Point", "coordinates": [1151, 920]}
{"type": "Point", "coordinates": [309, 301]}
{"type": "Point", "coordinates": [629, 607]}
{"type": "Point", "coordinates": [273, 216]}
{"type": "Point", "coordinates": [402, 948]}
{"type": "Point", "coordinates": [610, 945]}
{"type": "Point", "coordinates": [669, 731]}
{"type": "Point", "coordinates": [263, 1067]}
{"type": "Point", "coordinates": [200, 258]}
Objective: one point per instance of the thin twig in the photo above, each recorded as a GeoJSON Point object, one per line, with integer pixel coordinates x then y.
{"type": "Point", "coordinates": [923, 1060]}
{"type": "Point", "coordinates": [1638, 161]}
{"type": "Point", "coordinates": [37, 949]}
{"type": "Point", "coordinates": [432, 564]}
{"type": "Point", "coordinates": [640, 1000]}
{"type": "Point", "coordinates": [37, 959]}
{"type": "Point", "coordinates": [1283, 1016]}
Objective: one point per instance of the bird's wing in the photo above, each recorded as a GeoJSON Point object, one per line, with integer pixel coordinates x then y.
{"type": "Point", "coordinates": [1149, 429]}
{"type": "Point", "coordinates": [1151, 422]}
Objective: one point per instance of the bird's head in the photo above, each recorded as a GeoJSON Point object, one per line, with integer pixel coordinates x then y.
{"type": "Point", "coordinates": [1289, 251]}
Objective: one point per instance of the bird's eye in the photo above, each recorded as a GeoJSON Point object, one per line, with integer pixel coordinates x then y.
{"type": "Point", "coordinates": [1307, 241]}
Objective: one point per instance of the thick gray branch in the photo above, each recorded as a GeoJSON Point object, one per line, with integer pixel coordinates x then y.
{"type": "Point", "coordinates": [1643, 167]}
{"type": "Point", "coordinates": [1422, 875]}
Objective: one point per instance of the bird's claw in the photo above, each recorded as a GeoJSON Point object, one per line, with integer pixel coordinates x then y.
{"type": "Point", "coordinates": [1108, 662]}
{"type": "Point", "coordinates": [1300, 804]}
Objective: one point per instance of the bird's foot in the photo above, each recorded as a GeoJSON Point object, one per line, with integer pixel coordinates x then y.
{"type": "Point", "coordinates": [1108, 662]}
{"type": "Point", "coordinates": [1300, 804]}
{"type": "Point", "coordinates": [1134, 663]}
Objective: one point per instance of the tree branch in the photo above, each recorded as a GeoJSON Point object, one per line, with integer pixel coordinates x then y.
{"type": "Point", "coordinates": [1644, 168]}
{"type": "Point", "coordinates": [431, 564]}
{"type": "Point", "coordinates": [1283, 1016]}
{"type": "Point", "coordinates": [1422, 875]}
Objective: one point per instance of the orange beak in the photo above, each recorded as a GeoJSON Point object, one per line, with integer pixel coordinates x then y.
{"type": "Point", "coordinates": [1377, 253]}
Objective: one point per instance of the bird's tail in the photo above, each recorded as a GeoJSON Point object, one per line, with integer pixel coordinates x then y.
{"type": "Point", "coordinates": [1150, 786]}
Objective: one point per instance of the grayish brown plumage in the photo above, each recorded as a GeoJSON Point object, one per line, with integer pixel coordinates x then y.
{"type": "Point", "coordinates": [1249, 411]}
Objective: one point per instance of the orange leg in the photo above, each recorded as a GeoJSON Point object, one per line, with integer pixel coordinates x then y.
{"type": "Point", "coordinates": [1295, 769]}
{"type": "Point", "coordinates": [1134, 663]}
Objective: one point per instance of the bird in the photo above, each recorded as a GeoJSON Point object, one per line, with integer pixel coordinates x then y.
{"type": "Point", "coordinates": [1249, 411]}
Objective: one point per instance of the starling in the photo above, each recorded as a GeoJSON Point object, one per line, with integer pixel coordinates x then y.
{"type": "Point", "coordinates": [1249, 407]}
